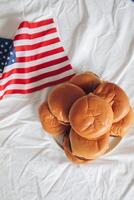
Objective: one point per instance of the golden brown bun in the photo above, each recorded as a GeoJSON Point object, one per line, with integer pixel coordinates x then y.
{"type": "Point", "coordinates": [68, 152]}
{"type": "Point", "coordinates": [88, 81]}
{"type": "Point", "coordinates": [88, 149]}
{"type": "Point", "coordinates": [91, 116]}
{"type": "Point", "coordinates": [49, 122]}
{"type": "Point", "coordinates": [61, 99]}
{"type": "Point", "coordinates": [121, 128]}
{"type": "Point", "coordinates": [117, 98]}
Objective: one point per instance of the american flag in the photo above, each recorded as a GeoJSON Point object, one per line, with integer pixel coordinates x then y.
{"type": "Point", "coordinates": [35, 59]}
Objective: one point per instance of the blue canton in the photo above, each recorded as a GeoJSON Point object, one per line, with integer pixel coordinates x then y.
{"type": "Point", "coordinates": [7, 53]}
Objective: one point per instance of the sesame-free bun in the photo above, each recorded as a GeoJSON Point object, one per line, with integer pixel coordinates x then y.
{"type": "Point", "coordinates": [116, 97]}
{"type": "Point", "coordinates": [88, 81]}
{"type": "Point", "coordinates": [121, 127]}
{"type": "Point", "coordinates": [91, 116]}
{"type": "Point", "coordinates": [88, 149]}
{"type": "Point", "coordinates": [49, 122]}
{"type": "Point", "coordinates": [68, 152]}
{"type": "Point", "coordinates": [61, 99]}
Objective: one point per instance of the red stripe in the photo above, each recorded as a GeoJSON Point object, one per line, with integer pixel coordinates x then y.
{"type": "Point", "coordinates": [34, 68]}
{"type": "Point", "coordinates": [24, 36]}
{"type": "Point", "coordinates": [36, 24]}
{"type": "Point", "coordinates": [35, 78]}
{"type": "Point", "coordinates": [24, 70]}
{"type": "Point", "coordinates": [30, 90]}
{"type": "Point", "coordinates": [37, 45]}
{"type": "Point", "coordinates": [40, 55]}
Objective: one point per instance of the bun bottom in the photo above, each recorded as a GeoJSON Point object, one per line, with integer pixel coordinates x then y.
{"type": "Point", "coordinates": [68, 152]}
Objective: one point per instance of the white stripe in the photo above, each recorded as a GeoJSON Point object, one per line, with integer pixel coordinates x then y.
{"type": "Point", "coordinates": [37, 51]}
{"type": "Point", "coordinates": [34, 30]}
{"type": "Point", "coordinates": [38, 83]}
{"type": "Point", "coordinates": [34, 73]}
{"type": "Point", "coordinates": [36, 40]}
{"type": "Point", "coordinates": [34, 62]}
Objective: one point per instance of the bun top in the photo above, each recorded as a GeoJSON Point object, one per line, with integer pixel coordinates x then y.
{"type": "Point", "coordinates": [116, 97]}
{"type": "Point", "coordinates": [88, 81]}
{"type": "Point", "coordinates": [89, 149]}
{"type": "Point", "coordinates": [91, 116]}
{"type": "Point", "coordinates": [61, 99]}
{"type": "Point", "coordinates": [121, 127]}
{"type": "Point", "coordinates": [49, 122]}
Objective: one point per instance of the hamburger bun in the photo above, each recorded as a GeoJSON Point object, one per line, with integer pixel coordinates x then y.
{"type": "Point", "coordinates": [68, 152]}
{"type": "Point", "coordinates": [61, 99]}
{"type": "Point", "coordinates": [49, 122]}
{"type": "Point", "coordinates": [88, 81]}
{"type": "Point", "coordinates": [91, 116]}
{"type": "Point", "coordinates": [116, 97]}
{"type": "Point", "coordinates": [121, 127]}
{"type": "Point", "coordinates": [88, 149]}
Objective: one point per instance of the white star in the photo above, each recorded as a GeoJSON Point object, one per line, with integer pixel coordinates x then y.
{"type": "Point", "coordinates": [8, 58]}
{"type": "Point", "coordinates": [2, 63]}
{"type": "Point", "coordinates": [11, 53]}
{"type": "Point", "coordinates": [13, 60]}
{"type": "Point", "coordinates": [5, 50]}
{"type": "Point", "coordinates": [2, 45]}
{"type": "Point", "coordinates": [6, 43]}
{"type": "Point", "coordinates": [4, 56]}
{"type": "Point", "coordinates": [5, 63]}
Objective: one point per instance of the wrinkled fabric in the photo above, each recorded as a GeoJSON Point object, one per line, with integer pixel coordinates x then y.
{"type": "Point", "coordinates": [98, 36]}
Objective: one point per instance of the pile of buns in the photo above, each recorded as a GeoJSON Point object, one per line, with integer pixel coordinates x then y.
{"type": "Point", "coordinates": [87, 110]}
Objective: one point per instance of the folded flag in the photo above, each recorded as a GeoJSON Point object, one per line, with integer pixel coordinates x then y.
{"type": "Point", "coordinates": [34, 60]}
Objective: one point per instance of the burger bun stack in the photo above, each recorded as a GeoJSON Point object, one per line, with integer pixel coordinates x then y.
{"type": "Point", "coordinates": [87, 111]}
